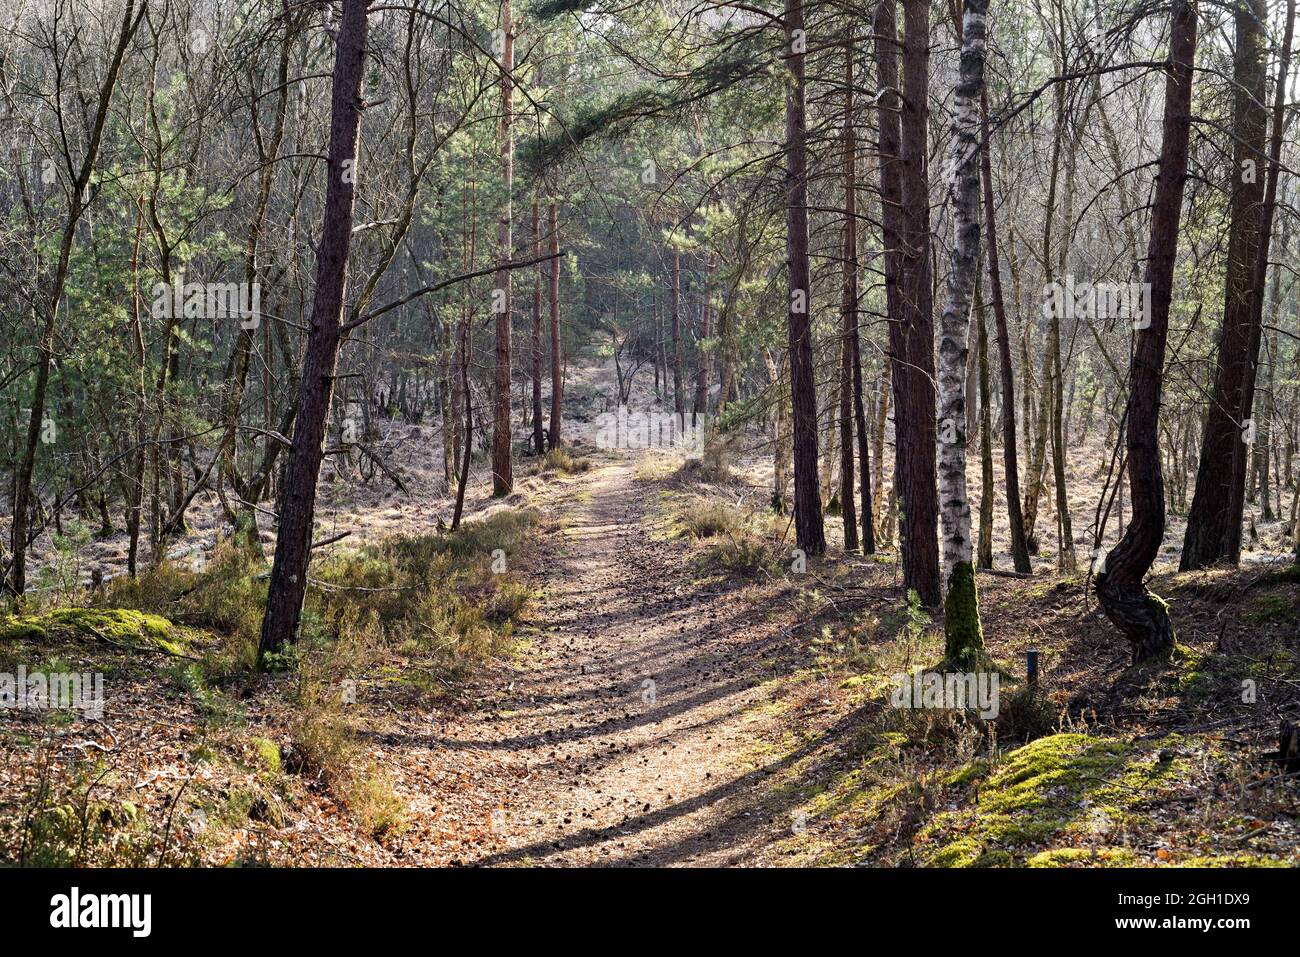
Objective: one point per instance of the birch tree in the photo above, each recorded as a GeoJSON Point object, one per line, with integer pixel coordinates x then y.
{"type": "Point", "coordinates": [963, 636]}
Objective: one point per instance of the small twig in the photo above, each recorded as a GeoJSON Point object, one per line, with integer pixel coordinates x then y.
{"type": "Point", "coordinates": [167, 825]}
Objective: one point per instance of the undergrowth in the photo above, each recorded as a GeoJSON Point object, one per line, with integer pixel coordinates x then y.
{"type": "Point", "coordinates": [737, 541]}
{"type": "Point", "coordinates": [434, 605]}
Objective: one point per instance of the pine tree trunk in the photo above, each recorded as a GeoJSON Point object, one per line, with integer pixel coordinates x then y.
{"type": "Point", "coordinates": [849, 316]}
{"type": "Point", "coordinates": [984, 546]}
{"type": "Point", "coordinates": [1038, 453]}
{"type": "Point", "coordinates": [1266, 452]}
{"type": "Point", "coordinates": [1246, 413]}
{"type": "Point", "coordinates": [1210, 536]}
{"type": "Point", "coordinates": [557, 372]}
{"type": "Point", "coordinates": [881, 501]}
{"type": "Point", "coordinates": [448, 391]}
{"type": "Point", "coordinates": [809, 531]}
{"type": "Point", "coordinates": [297, 508]}
{"type": "Point", "coordinates": [830, 451]}
{"type": "Point", "coordinates": [135, 490]}
{"type": "Point", "coordinates": [1140, 615]}
{"type": "Point", "coordinates": [503, 479]}
{"type": "Point", "coordinates": [1065, 557]}
{"type": "Point", "coordinates": [539, 436]}
{"type": "Point", "coordinates": [679, 398]}
{"type": "Point", "coordinates": [726, 351]}
{"type": "Point", "coordinates": [701, 405]}
{"type": "Point", "coordinates": [904, 148]}
{"type": "Point", "coordinates": [659, 331]}
{"type": "Point", "coordinates": [867, 508]}
{"type": "Point", "coordinates": [1010, 454]}
{"type": "Point", "coordinates": [463, 478]}
{"type": "Point", "coordinates": [780, 432]}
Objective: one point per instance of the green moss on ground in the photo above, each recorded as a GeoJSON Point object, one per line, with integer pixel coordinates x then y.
{"type": "Point", "coordinates": [123, 625]}
{"type": "Point", "coordinates": [21, 629]}
{"type": "Point", "coordinates": [268, 752]}
{"type": "Point", "coordinates": [1061, 788]}
{"type": "Point", "coordinates": [1273, 608]}
{"type": "Point", "coordinates": [1235, 860]}
{"type": "Point", "coordinates": [1084, 857]}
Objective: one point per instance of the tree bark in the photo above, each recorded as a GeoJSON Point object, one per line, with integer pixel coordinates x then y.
{"type": "Point", "coordinates": [850, 386]}
{"type": "Point", "coordinates": [679, 398]}
{"type": "Point", "coordinates": [809, 531]}
{"type": "Point", "coordinates": [867, 505]}
{"type": "Point", "coordinates": [135, 489]}
{"type": "Point", "coordinates": [1266, 236]}
{"type": "Point", "coordinates": [503, 480]}
{"type": "Point", "coordinates": [1010, 453]}
{"type": "Point", "coordinates": [539, 436]}
{"type": "Point", "coordinates": [298, 504]}
{"type": "Point", "coordinates": [984, 546]}
{"type": "Point", "coordinates": [912, 325]}
{"type": "Point", "coordinates": [1210, 536]}
{"type": "Point", "coordinates": [1065, 556]}
{"type": "Point", "coordinates": [780, 433]}
{"type": "Point", "coordinates": [702, 359]}
{"type": "Point", "coordinates": [1267, 437]}
{"type": "Point", "coordinates": [1142, 617]}
{"type": "Point", "coordinates": [463, 479]}
{"type": "Point", "coordinates": [964, 638]}
{"type": "Point", "coordinates": [880, 501]}
{"type": "Point", "coordinates": [849, 318]}
{"type": "Point", "coordinates": [557, 372]}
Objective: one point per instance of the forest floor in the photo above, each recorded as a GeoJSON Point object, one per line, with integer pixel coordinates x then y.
{"type": "Point", "coordinates": [640, 675]}
{"type": "Point", "coordinates": [620, 727]}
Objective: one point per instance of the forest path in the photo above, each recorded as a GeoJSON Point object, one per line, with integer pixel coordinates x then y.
{"type": "Point", "coordinates": [630, 721]}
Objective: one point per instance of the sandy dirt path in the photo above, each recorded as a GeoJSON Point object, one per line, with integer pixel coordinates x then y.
{"type": "Point", "coordinates": [629, 724]}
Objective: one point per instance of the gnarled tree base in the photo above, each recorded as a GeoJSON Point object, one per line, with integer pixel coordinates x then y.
{"type": "Point", "coordinates": [1142, 616]}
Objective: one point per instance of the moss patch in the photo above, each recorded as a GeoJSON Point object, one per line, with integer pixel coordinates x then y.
{"type": "Point", "coordinates": [268, 752]}
{"type": "Point", "coordinates": [21, 629]}
{"type": "Point", "coordinates": [1061, 788]}
{"type": "Point", "coordinates": [961, 619]}
{"type": "Point", "coordinates": [1272, 608]}
{"type": "Point", "coordinates": [1235, 860]}
{"type": "Point", "coordinates": [1084, 857]}
{"type": "Point", "coordinates": [124, 625]}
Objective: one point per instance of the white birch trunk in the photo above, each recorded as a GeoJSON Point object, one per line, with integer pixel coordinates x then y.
{"type": "Point", "coordinates": [961, 607]}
